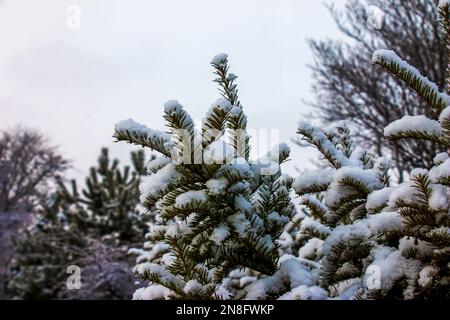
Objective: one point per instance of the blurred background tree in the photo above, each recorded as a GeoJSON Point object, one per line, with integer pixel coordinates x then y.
{"type": "Point", "coordinates": [28, 164]}
{"type": "Point", "coordinates": [92, 228]}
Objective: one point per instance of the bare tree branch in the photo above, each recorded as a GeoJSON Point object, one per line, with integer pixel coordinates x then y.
{"type": "Point", "coordinates": [27, 165]}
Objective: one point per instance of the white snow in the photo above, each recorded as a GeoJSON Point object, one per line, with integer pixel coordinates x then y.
{"type": "Point", "coordinates": [441, 158]}
{"type": "Point", "coordinates": [217, 186]}
{"type": "Point", "coordinates": [319, 138]}
{"type": "Point", "coordinates": [245, 281]}
{"type": "Point", "coordinates": [240, 223]}
{"type": "Point", "coordinates": [276, 218]}
{"type": "Point", "coordinates": [443, 3]}
{"type": "Point", "coordinates": [155, 184]}
{"type": "Point", "coordinates": [220, 234]}
{"type": "Point", "coordinates": [338, 189]}
{"type": "Point", "coordinates": [172, 107]}
{"type": "Point", "coordinates": [136, 128]}
{"type": "Point", "coordinates": [156, 164]}
{"type": "Point", "coordinates": [190, 196]}
{"type": "Point", "coordinates": [445, 115]}
{"type": "Point", "coordinates": [309, 223]}
{"type": "Point", "coordinates": [383, 222]}
{"type": "Point", "coordinates": [420, 124]}
{"type": "Point", "coordinates": [242, 204]}
{"type": "Point", "coordinates": [219, 59]}
{"type": "Point", "coordinates": [378, 198]}
{"type": "Point", "coordinates": [152, 292]}
{"type": "Point", "coordinates": [220, 104]}
{"type": "Point", "coordinates": [426, 276]}
{"type": "Point", "coordinates": [440, 172]}
{"type": "Point", "coordinates": [311, 178]}
{"type": "Point", "coordinates": [277, 151]}
{"type": "Point", "coordinates": [218, 152]}
{"type": "Point", "coordinates": [389, 56]}
{"type": "Point", "coordinates": [192, 286]}
{"type": "Point", "coordinates": [439, 199]}
{"type": "Point", "coordinates": [405, 193]}
{"type": "Point", "coordinates": [305, 293]}
{"type": "Point", "coordinates": [424, 248]}
{"type": "Point", "coordinates": [369, 178]}
{"type": "Point", "coordinates": [291, 271]}
{"type": "Point", "coordinates": [311, 249]}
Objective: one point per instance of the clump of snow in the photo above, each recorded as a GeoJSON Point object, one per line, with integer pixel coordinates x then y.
{"type": "Point", "coordinates": [152, 292]}
{"type": "Point", "coordinates": [222, 104]}
{"type": "Point", "coordinates": [241, 203]}
{"type": "Point", "coordinates": [172, 107]}
{"type": "Point", "coordinates": [404, 193]}
{"type": "Point", "coordinates": [313, 248]}
{"type": "Point", "coordinates": [190, 196]}
{"type": "Point", "coordinates": [340, 187]}
{"type": "Point", "coordinates": [245, 281]}
{"type": "Point", "coordinates": [311, 178]}
{"type": "Point", "coordinates": [423, 248]}
{"type": "Point", "coordinates": [420, 124]}
{"type": "Point", "coordinates": [168, 258]}
{"type": "Point", "coordinates": [441, 158]}
{"type": "Point", "coordinates": [305, 293]}
{"type": "Point", "coordinates": [440, 172]}
{"type": "Point", "coordinates": [156, 164]}
{"type": "Point", "coordinates": [275, 217]}
{"type": "Point", "coordinates": [192, 286]}
{"type": "Point", "coordinates": [218, 152]}
{"type": "Point", "coordinates": [426, 276]}
{"type": "Point", "coordinates": [134, 127]}
{"type": "Point", "coordinates": [383, 222]}
{"type": "Point", "coordinates": [445, 115]}
{"type": "Point", "coordinates": [309, 223]}
{"type": "Point", "coordinates": [216, 186]}
{"type": "Point", "coordinates": [378, 198]}
{"type": "Point", "coordinates": [439, 198]}
{"type": "Point", "coordinates": [220, 234]}
{"type": "Point", "coordinates": [443, 3]}
{"type": "Point", "coordinates": [240, 223]}
{"type": "Point", "coordinates": [418, 172]}
{"type": "Point", "coordinates": [219, 59]}
{"type": "Point", "coordinates": [155, 184]}
{"type": "Point", "coordinates": [279, 151]}
{"type": "Point", "coordinates": [291, 271]}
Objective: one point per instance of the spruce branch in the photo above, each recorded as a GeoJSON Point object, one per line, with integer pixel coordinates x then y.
{"type": "Point", "coordinates": [390, 61]}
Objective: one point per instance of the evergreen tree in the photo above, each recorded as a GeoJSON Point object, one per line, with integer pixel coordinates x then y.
{"type": "Point", "coordinates": [348, 87]}
{"type": "Point", "coordinates": [70, 225]}
{"type": "Point", "coordinates": [366, 238]}
{"type": "Point", "coordinates": [44, 251]}
{"type": "Point", "coordinates": [108, 204]}
{"type": "Point", "coordinates": [423, 253]}
{"type": "Point", "coordinates": [216, 210]}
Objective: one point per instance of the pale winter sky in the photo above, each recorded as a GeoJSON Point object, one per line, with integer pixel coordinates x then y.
{"type": "Point", "coordinates": [130, 56]}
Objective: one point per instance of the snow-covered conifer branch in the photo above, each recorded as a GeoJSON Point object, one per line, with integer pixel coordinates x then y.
{"type": "Point", "coordinates": [415, 127]}
{"type": "Point", "coordinates": [237, 120]}
{"type": "Point", "coordinates": [136, 133]}
{"type": "Point", "coordinates": [389, 60]}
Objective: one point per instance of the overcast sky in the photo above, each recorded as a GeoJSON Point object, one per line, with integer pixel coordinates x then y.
{"type": "Point", "coordinates": [130, 56]}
